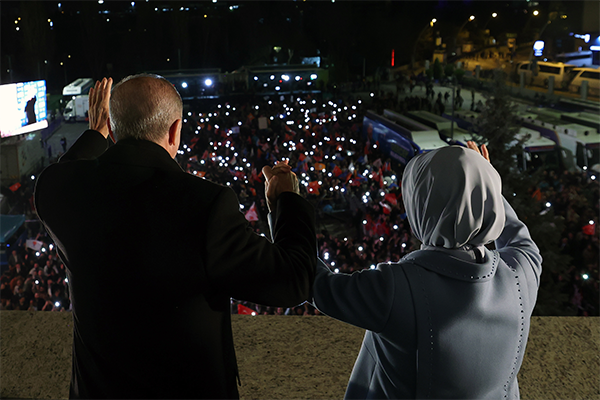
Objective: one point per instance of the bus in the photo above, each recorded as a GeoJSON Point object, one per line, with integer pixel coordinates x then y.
{"type": "Point", "coordinates": [423, 136]}
{"type": "Point", "coordinates": [78, 87]}
{"type": "Point", "coordinates": [396, 141]}
{"type": "Point", "coordinates": [538, 150]}
{"type": "Point", "coordinates": [580, 143]}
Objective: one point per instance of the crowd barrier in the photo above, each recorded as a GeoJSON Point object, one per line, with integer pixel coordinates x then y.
{"type": "Point", "coordinates": [289, 357]}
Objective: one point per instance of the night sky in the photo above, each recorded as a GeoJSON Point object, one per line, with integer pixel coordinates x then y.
{"type": "Point", "coordinates": [117, 38]}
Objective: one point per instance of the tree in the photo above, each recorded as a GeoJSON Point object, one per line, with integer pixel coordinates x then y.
{"type": "Point", "coordinates": [449, 70]}
{"type": "Point", "coordinates": [498, 127]}
{"type": "Point", "coordinates": [438, 70]}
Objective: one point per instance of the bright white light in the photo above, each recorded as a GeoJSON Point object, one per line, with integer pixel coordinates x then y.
{"type": "Point", "coordinates": [381, 238]}
{"type": "Point", "coordinates": [360, 248]}
{"type": "Point", "coordinates": [337, 271]}
{"type": "Point", "coordinates": [285, 77]}
{"type": "Point", "coordinates": [184, 85]}
{"type": "Point", "coordinates": [372, 266]}
{"type": "Point", "coordinates": [272, 77]}
{"type": "Point", "coordinates": [548, 204]}
{"type": "Point", "coordinates": [66, 280]}
{"type": "Point", "coordinates": [395, 227]}
{"type": "Point", "coordinates": [277, 88]}
{"type": "Point", "coordinates": [585, 276]}
{"type": "Point", "coordinates": [403, 245]}
{"type": "Point", "coordinates": [591, 222]}
{"type": "Point", "coordinates": [256, 78]}
{"type": "Point", "coordinates": [326, 256]}
{"type": "Point", "coordinates": [372, 95]}
{"type": "Point", "coordinates": [32, 177]}
{"type": "Point", "coordinates": [208, 82]}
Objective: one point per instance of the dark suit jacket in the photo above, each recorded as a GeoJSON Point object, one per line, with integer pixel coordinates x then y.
{"type": "Point", "coordinates": [154, 255]}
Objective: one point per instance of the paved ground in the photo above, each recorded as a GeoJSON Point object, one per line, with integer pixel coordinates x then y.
{"type": "Point", "coordinates": [70, 131]}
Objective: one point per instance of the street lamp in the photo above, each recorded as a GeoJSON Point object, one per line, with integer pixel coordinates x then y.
{"type": "Point", "coordinates": [551, 17]}
{"type": "Point", "coordinates": [429, 25]}
{"type": "Point", "coordinates": [494, 15]}
{"type": "Point", "coordinates": [471, 18]}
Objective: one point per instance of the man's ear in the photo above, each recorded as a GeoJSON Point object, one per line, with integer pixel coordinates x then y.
{"type": "Point", "coordinates": [175, 132]}
{"type": "Point", "coordinates": [110, 132]}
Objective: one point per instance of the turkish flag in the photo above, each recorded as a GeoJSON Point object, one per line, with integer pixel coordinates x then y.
{"type": "Point", "coordinates": [243, 310]}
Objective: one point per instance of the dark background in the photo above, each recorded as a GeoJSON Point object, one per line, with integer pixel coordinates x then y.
{"type": "Point", "coordinates": [117, 38]}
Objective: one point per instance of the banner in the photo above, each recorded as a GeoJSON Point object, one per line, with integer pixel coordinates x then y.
{"type": "Point", "coordinates": [34, 244]}
{"type": "Point", "coordinates": [251, 214]}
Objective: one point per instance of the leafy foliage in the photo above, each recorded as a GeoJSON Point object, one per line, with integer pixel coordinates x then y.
{"type": "Point", "coordinates": [498, 128]}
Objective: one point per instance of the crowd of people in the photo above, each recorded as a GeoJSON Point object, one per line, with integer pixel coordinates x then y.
{"type": "Point", "coordinates": [355, 188]}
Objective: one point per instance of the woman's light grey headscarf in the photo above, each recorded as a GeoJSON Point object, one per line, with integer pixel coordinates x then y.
{"type": "Point", "coordinates": [453, 198]}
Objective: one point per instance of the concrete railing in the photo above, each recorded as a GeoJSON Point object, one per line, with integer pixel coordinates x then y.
{"type": "Point", "coordinates": [283, 357]}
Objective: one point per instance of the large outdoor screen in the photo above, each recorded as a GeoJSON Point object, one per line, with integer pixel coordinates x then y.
{"type": "Point", "coordinates": [22, 108]}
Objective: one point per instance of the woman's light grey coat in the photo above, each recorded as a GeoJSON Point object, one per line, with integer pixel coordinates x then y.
{"type": "Point", "coordinates": [446, 321]}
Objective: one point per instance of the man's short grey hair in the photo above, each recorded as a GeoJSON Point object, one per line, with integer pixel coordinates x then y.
{"type": "Point", "coordinates": [144, 106]}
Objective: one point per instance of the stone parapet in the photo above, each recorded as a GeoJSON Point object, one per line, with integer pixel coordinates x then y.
{"type": "Point", "coordinates": [289, 357]}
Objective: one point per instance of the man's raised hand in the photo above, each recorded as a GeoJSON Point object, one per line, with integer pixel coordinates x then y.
{"type": "Point", "coordinates": [98, 113]}
{"type": "Point", "coordinates": [279, 179]}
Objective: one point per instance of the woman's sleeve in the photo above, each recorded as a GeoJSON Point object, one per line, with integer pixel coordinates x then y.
{"type": "Point", "coordinates": [362, 299]}
{"type": "Point", "coordinates": [517, 248]}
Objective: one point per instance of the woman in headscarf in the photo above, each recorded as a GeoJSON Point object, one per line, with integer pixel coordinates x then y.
{"type": "Point", "coordinates": [450, 320]}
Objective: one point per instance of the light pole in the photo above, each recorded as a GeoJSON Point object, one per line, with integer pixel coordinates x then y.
{"type": "Point", "coordinates": [551, 17]}
{"type": "Point", "coordinates": [494, 15]}
{"type": "Point", "coordinates": [471, 18]}
{"type": "Point", "coordinates": [429, 25]}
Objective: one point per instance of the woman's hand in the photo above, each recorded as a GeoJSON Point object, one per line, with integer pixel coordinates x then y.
{"type": "Point", "coordinates": [484, 151]}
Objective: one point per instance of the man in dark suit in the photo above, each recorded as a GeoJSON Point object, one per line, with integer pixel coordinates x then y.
{"type": "Point", "coordinates": [128, 221]}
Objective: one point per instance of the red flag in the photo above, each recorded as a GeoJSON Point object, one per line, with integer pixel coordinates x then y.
{"type": "Point", "coordinates": [386, 207]}
{"type": "Point", "coordinates": [313, 187]}
{"type": "Point", "coordinates": [243, 310]}
{"type": "Point", "coordinates": [589, 229]}
{"type": "Point", "coordinates": [15, 187]}
{"type": "Point", "coordinates": [337, 171]}
{"type": "Point", "coordinates": [251, 214]}
{"type": "Point", "coordinates": [390, 198]}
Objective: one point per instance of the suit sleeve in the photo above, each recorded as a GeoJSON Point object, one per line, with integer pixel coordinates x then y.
{"type": "Point", "coordinates": [518, 250]}
{"type": "Point", "coordinates": [91, 144]}
{"type": "Point", "coordinates": [248, 266]}
{"type": "Point", "coordinates": [362, 299]}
